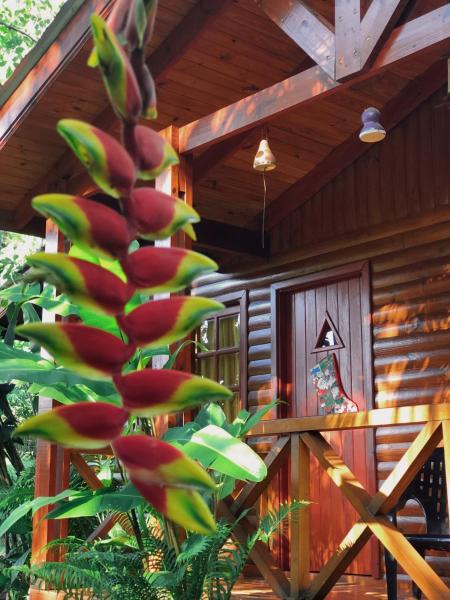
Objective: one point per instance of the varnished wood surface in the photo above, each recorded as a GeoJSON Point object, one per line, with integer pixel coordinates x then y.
{"type": "Point", "coordinates": [348, 588]}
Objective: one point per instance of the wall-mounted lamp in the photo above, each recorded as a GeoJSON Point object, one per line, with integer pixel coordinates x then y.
{"type": "Point", "coordinates": [372, 131]}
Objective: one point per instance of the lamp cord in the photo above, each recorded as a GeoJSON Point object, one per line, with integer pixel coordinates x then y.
{"type": "Point", "coordinates": [264, 209]}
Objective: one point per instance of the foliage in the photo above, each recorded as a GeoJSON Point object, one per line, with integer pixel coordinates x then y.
{"type": "Point", "coordinates": [203, 567]}
{"type": "Point", "coordinates": [22, 22]}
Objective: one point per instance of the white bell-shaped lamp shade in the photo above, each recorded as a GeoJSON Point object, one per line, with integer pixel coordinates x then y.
{"type": "Point", "coordinates": [264, 158]}
{"type": "Point", "coordinates": [372, 131]}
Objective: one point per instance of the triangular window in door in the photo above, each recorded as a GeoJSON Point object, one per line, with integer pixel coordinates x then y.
{"type": "Point", "coordinates": [328, 338]}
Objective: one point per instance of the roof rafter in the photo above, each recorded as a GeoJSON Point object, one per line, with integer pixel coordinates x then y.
{"type": "Point", "coordinates": [377, 24]}
{"type": "Point", "coordinates": [51, 63]}
{"type": "Point", "coordinates": [310, 31]}
{"type": "Point", "coordinates": [421, 34]}
{"type": "Point", "coordinates": [348, 37]}
{"type": "Point", "coordinates": [413, 94]}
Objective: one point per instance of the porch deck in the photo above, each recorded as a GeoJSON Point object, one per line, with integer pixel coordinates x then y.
{"type": "Point", "coordinates": [348, 588]}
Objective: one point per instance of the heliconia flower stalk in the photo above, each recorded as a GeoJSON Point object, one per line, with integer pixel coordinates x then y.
{"type": "Point", "coordinates": [87, 223]}
{"type": "Point", "coordinates": [106, 161]}
{"type": "Point", "coordinates": [88, 350]}
{"type": "Point", "coordinates": [85, 425]}
{"type": "Point", "coordinates": [153, 154]}
{"type": "Point", "coordinates": [118, 75]}
{"type": "Point", "coordinates": [151, 7]}
{"type": "Point", "coordinates": [185, 507]}
{"type": "Point", "coordinates": [158, 270]}
{"type": "Point", "coordinates": [153, 461]}
{"type": "Point", "coordinates": [153, 392]}
{"type": "Point", "coordinates": [84, 282]}
{"type": "Point", "coordinates": [129, 22]}
{"type": "Point", "coordinates": [148, 91]}
{"type": "Point", "coordinates": [157, 216]}
{"type": "Point", "coordinates": [162, 322]}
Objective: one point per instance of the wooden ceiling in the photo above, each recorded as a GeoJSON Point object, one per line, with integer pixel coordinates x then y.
{"type": "Point", "coordinates": [207, 55]}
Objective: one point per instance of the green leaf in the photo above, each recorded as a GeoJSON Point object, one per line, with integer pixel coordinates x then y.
{"type": "Point", "coordinates": [211, 414]}
{"type": "Point", "coordinates": [217, 449]}
{"type": "Point", "coordinates": [94, 502]}
{"type": "Point", "coordinates": [256, 418]}
{"type": "Point", "coordinates": [32, 505]}
{"type": "Point", "coordinates": [181, 435]}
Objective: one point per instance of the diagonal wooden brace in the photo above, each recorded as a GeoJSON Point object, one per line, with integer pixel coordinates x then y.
{"type": "Point", "coordinates": [372, 522]}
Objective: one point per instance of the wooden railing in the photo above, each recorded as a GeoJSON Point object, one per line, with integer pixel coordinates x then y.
{"type": "Point", "coordinates": [301, 437]}
{"type": "Point", "coordinates": [297, 439]}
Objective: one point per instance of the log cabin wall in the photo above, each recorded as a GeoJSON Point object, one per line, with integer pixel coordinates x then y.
{"type": "Point", "coordinates": [391, 207]}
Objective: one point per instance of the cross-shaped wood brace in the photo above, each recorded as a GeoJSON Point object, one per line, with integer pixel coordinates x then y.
{"type": "Point", "coordinates": [303, 436]}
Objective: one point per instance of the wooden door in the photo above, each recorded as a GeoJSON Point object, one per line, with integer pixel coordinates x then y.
{"type": "Point", "coordinates": [320, 314]}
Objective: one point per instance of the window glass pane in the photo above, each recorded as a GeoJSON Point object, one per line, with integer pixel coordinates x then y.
{"type": "Point", "coordinates": [229, 331]}
{"type": "Point", "coordinates": [229, 369]}
{"type": "Point", "coordinates": [206, 335]}
{"type": "Point", "coordinates": [205, 367]}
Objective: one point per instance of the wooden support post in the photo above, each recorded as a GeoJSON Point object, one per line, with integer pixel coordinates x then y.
{"type": "Point", "coordinates": [175, 181]}
{"type": "Point", "coordinates": [52, 462]}
{"type": "Point", "coordinates": [300, 526]}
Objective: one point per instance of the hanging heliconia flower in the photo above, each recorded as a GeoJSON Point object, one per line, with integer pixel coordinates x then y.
{"type": "Point", "coordinates": [106, 161]}
{"type": "Point", "coordinates": [163, 322]}
{"type": "Point", "coordinates": [88, 350]}
{"type": "Point", "coordinates": [118, 75]}
{"type": "Point", "coordinates": [84, 282]}
{"type": "Point", "coordinates": [157, 216]}
{"type": "Point", "coordinates": [87, 223]}
{"type": "Point", "coordinates": [171, 391]}
{"type": "Point", "coordinates": [85, 425]}
{"type": "Point", "coordinates": [152, 152]}
{"type": "Point", "coordinates": [153, 461]}
{"type": "Point", "coordinates": [174, 484]}
{"type": "Point", "coordinates": [171, 269]}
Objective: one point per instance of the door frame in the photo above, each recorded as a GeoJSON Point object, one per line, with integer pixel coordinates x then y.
{"type": "Point", "coordinates": [281, 359]}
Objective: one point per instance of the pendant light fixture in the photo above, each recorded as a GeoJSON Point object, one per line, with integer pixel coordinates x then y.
{"type": "Point", "coordinates": [263, 162]}
{"type": "Point", "coordinates": [372, 131]}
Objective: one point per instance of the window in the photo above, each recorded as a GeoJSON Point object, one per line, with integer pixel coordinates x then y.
{"type": "Point", "coordinates": [221, 353]}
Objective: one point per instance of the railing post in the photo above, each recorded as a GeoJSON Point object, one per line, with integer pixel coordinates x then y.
{"type": "Point", "coordinates": [300, 536]}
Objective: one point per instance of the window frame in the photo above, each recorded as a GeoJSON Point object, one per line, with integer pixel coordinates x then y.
{"type": "Point", "coordinates": [235, 304]}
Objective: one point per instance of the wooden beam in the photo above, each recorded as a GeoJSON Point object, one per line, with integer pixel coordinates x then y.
{"type": "Point", "coordinates": [379, 417]}
{"type": "Point", "coordinates": [397, 109]}
{"type": "Point", "coordinates": [431, 30]}
{"type": "Point", "coordinates": [229, 238]}
{"type": "Point", "coordinates": [308, 30]}
{"type": "Point", "coordinates": [300, 520]}
{"type": "Point", "coordinates": [54, 60]}
{"type": "Point", "coordinates": [348, 38]}
{"type": "Point", "coordinates": [211, 157]}
{"type": "Point", "coordinates": [377, 24]}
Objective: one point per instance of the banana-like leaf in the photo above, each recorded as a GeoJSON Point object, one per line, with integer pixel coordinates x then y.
{"type": "Point", "coordinates": [217, 449]}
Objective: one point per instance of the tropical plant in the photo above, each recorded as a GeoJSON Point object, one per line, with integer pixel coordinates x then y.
{"type": "Point", "coordinates": [202, 567]}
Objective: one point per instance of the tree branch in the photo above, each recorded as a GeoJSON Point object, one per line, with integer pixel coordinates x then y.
{"type": "Point", "coordinates": [12, 28]}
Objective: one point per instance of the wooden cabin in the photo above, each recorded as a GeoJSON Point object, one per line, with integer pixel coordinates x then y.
{"type": "Point", "coordinates": [351, 255]}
